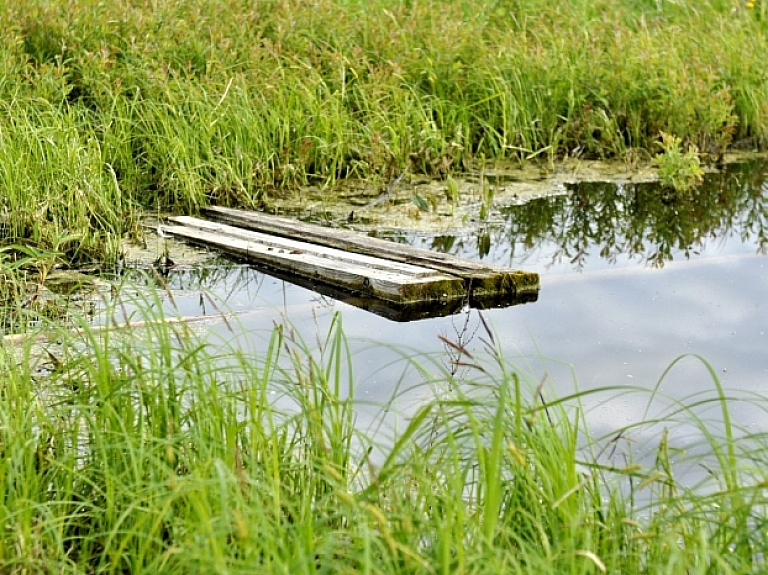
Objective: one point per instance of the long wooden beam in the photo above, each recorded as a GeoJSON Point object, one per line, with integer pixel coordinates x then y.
{"type": "Point", "coordinates": [482, 280]}
{"type": "Point", "coordinates": [382, 278]}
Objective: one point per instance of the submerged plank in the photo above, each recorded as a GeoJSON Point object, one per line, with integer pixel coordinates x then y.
{"type": "Point", "coordinates": [392, 281]}
{"type": "Point", "coordinates": [482, 280]}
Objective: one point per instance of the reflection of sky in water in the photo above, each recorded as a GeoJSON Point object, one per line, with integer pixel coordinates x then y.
{"type": "Point", "coordinates": [615, 324]}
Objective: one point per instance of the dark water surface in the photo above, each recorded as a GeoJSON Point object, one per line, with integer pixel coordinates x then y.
{"type": "Point", "coordinates": [632, 278]}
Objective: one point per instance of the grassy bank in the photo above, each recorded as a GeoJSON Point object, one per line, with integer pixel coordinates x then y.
{"type": "Point", "coordinates": [112, 107]}
{"type": "Point", "coordinates": [115, 460]}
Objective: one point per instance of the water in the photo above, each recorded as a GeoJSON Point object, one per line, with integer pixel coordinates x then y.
{"type": "Point", "coordinates": [632, 278]}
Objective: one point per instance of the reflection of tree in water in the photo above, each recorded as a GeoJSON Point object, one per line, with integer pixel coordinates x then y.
{"type": "Point", "coordinates": [643, 220]}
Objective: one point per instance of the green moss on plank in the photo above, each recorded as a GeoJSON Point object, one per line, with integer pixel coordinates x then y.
{"type": "Point", "coordinates": [439, 290]}
{"type": "Point", "coordinates": [526, 281]}
{"type": "Point", "coordinates": [503, 283]}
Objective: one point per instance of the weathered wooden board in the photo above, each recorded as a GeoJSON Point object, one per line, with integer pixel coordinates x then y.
{"type": "Point", "coordinates": [482, 280]}
{"type": "Point", "coordinates": [382, 278]}
{"type": "Point", "coordinates": [394, 311]}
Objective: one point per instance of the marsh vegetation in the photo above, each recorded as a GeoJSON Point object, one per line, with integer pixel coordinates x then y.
{"type": "Point", "coordinates": [156, 450]}
{"type": "Point", "coordinates": [111, 108]}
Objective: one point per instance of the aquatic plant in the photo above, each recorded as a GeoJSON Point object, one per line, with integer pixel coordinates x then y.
{"type": "Point", "coordinates": [678, 170]}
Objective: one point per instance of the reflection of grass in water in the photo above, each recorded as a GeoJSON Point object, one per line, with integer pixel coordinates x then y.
{"type": "Point", "coordinates": [214, 273]}
{"type": "Point", "coordinates": [152, 451]}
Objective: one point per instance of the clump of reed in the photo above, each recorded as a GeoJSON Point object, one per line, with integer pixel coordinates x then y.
{"type": "Point", "coordinates": [152, 449]}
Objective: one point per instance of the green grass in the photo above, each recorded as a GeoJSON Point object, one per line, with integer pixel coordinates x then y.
{"type": "Point", "coordinates": [197, 457]}
{"type": "Point", "coordinates": [113, 107]}
{"type": "Point", "coordinates": [203, 458]}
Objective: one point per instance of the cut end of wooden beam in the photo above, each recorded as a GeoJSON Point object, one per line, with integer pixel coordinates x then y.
{"type": "Point", "coordinates": [502, 284]}
{"type": "Point", "coordinates": [526, 282]}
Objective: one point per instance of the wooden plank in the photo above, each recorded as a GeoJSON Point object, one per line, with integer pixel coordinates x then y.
{"type": "Point", "coordinates": [483, 280]}
{"type": "Point", "coordinates": [402, 312]}
{"type": "Point", "coordinates": [391, 281]}
{"type": "Point", "coordinates": [288, 244]}
{"type": "Point", "coordinates": [393, 311]}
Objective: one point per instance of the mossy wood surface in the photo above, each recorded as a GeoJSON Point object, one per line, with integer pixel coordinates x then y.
{"type": "Point", "coordinates": [381, 278]}
{"type": "Point", "coordinates": [352, 261]}
{"type": "Point", "coordinates": [482, 279]}
{"type": "Point", "coordinates": [401, 312]}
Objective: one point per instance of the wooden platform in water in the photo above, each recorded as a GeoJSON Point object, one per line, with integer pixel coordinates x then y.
{"type": "Point", "coordinates": [355, 263]}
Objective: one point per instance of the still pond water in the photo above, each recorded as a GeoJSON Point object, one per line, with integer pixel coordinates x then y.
{"type": "Point", "coordinates": [631, 278]}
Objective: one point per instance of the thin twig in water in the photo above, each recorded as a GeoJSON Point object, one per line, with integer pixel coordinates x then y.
{"type": "Point", "coordinates": [487, 328]}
